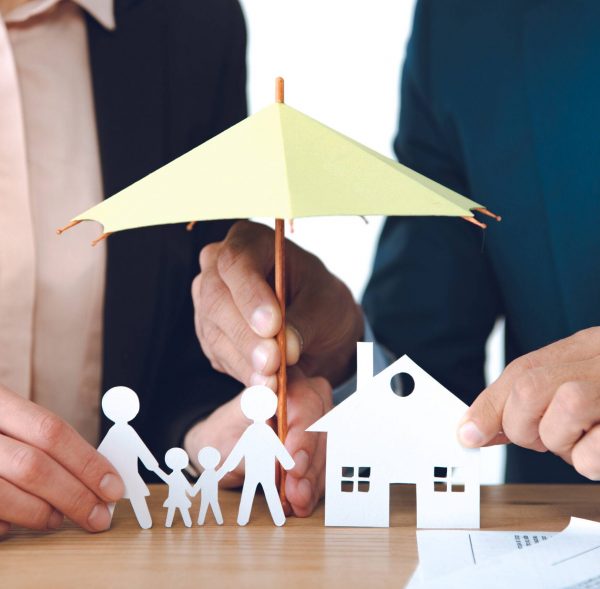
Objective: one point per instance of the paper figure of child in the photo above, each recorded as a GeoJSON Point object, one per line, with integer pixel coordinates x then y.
{"type": "Point", "coordinates": [260, 447]}
{"type": "Point", "coordinates": [122, 446]}
{"type": "Point", "coordinates": [208, 484]}
{"type": "Point", "coordinates": [179, 487]}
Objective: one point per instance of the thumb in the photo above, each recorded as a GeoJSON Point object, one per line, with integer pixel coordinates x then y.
{"type": "Point", "coordinates": [482, 423]}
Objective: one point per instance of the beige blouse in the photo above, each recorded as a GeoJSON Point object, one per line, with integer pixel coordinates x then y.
{"type": "Point", "coordinates": [51, 288]}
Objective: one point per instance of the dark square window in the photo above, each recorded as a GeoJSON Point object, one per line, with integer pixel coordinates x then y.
{"type": "Point", "coordinates": [347, 471]}
{"type": "Point", "coordinates": [347, 486]}
{"type": "Point", "coordinates": [364, 472]}
{"type": "Point", "coordinates": [458, 488]}
{"type": "Point", "coordinates": [439, 487]}
{"type": "Point", "coordinates": [363, 486]}
{"type": "Point", "coordinates": [440, 472]}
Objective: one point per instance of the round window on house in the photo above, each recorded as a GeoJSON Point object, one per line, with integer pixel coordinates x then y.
{"type": "Point", "coordinates": [402, 384]}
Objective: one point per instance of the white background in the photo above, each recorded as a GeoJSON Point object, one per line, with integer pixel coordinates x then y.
{"type": "Point", "coordinates": [341, 60]}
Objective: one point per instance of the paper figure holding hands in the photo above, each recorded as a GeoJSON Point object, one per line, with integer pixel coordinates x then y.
{"type": "Point", "coordinates": [179, 487]}
{"type": "Point", "coordinates": [260, 447]}
{"type": "Point", "coordinates": [208, 484]}
{"type": "Point", "coordinates": [122, 446]}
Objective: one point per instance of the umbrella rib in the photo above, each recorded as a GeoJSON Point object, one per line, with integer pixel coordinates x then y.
{"type": "Point", "coordinates": [489, 213]}
{"type": "Point", "coordinates": [101, 238]}
{"type": "Point", "coordinates": [68, 226]}
{"type": "Point", "coordinates": [475, 222]}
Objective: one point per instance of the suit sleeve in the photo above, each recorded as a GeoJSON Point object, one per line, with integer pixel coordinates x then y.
{"type": "Point", "coordinates": [432, 294]}
{"type": "Point", "coordinates": [232, 106]}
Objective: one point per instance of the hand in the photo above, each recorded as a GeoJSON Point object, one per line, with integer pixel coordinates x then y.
{"type": "Point", "coordinates": [308, 400]}
{"type": "Point", "coordinates": [47, 469]}
{"type": "Point", "coordinates": [546, 400]}
{"type": "Point", "coordinates": [237, 315]}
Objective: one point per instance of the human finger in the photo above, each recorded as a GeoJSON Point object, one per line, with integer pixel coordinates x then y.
{"type": "Point", "coordinates": [524, 408]}
{"type": "Point", "coordinates": [304, 493]}
{"type": "Point", "coordinates": [23, 509]}
{"type": "Point", "coordinates": [482, 422]}
{"type": "Point", "coordinates": [532, 394]}
{"type": "Point", "coordinates": [225, 356]}
{"type": "Point", "coordinates": [245, 259]}
{"type": "Point", "coordinates": [574, 410]}
{"type": "Point", "coordinates": [216, 314]}
{"type": "Point", "coordinates": [35, 426]}
{"type": "Point", "coordinates": [324, 315]}
{"type": "Point", "coordinates": [4, 528]}
{"type": "Point", "coordinates": [36, 473]}
{"type": "Point", "coordinates": [585, 455]}
{"type": "Point", "coordinates": [309, 400]}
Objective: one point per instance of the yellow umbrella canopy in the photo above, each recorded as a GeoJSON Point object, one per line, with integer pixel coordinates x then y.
{"type": "Point", "coordinates": [277, 163]}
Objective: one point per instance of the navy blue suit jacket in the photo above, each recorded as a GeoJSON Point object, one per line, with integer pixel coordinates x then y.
{"type": "Point", "coordinates": [501, 102]}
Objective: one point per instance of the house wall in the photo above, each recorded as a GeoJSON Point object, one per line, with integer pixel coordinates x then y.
{"type": "Point", "coordinates": [452, 507]}
{"type": "Point", "coordinates": [355, 507]}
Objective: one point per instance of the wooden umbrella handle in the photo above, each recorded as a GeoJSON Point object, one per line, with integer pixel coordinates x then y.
{"type": "Point", "coordinates": [281, 342]}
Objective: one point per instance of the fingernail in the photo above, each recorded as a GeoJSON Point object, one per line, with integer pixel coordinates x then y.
{"type": "Point", "coordinates": [469, 435]}
{"type": "Point", "coordinates": [55, 521]}
{"type": "Point", "coordinates": [112, 487]}
{"type": "Point", "coordinates": [99, 518]}
{"type": "Point", "coordinates": [260, 357]}
{"type": "Point", "coordinates": [258, 379]}
{"type": "Point", "coordinates": [294, 345]}
{"type": "Point", "coordinates": [262, 321]}
{"type": "Point", "coordinates": [302, 461]}
{"type": "Point", "coordinates": [261, 379]}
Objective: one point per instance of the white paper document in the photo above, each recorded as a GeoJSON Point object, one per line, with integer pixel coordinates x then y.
{"type": "Point", "coordinates": [444, 551]}
{"type": "Point", "coordinates": [567, 560]}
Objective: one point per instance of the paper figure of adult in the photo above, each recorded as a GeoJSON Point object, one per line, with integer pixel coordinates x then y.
{"type": "Point", "coordinates": [122, 446]}
{"type": "Point", "coordinates": [260, 448]}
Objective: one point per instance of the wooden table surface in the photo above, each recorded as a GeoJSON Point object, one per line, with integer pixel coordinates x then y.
{"type": "Point", "coordinates": [303, 553]}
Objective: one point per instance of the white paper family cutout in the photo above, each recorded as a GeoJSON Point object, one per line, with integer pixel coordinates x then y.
{"type": "Point", "coordinates": [258, 446]}
{"type": "Point", "coordinates": [208, 484]}
{"type": "Point", "coordinates": [179, 487]}
{"type": "Point", "coordinates": [123, 448]}
{"type": "Point", "coordinates": [376, 438]}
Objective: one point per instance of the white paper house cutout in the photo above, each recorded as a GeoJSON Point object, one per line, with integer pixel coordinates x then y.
{"type": "Point", "coordinates": [376, 438]}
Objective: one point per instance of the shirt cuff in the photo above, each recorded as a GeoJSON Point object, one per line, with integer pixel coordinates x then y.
{"type": "Point", "coordinates": [382, 358]}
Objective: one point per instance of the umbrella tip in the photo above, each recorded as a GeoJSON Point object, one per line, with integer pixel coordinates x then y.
{"type": "Point", "coordinates": [485, 211]}
{"type": "Point", "coordinates": [279, 90]}
{"type": "Point", "coordinates": [475, 222]}
{"type": "Point", "coordinates": [61, 230]}
{"type": "Point", "coordinates": [99, 239]}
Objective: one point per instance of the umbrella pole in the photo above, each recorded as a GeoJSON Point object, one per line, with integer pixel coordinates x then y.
{"type": "Point", "coordinates": [281, 342]}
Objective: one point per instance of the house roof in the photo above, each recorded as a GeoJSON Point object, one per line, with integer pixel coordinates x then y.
{"type": "Point", "coordinates": [375, 401]}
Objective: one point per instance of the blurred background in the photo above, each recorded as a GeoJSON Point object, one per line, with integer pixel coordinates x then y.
{"type": "Point", "coordinates": [342, 60]}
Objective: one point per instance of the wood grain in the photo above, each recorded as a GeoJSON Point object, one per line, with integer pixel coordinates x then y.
{"type": "Point", "coordinates": [301, 554]}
